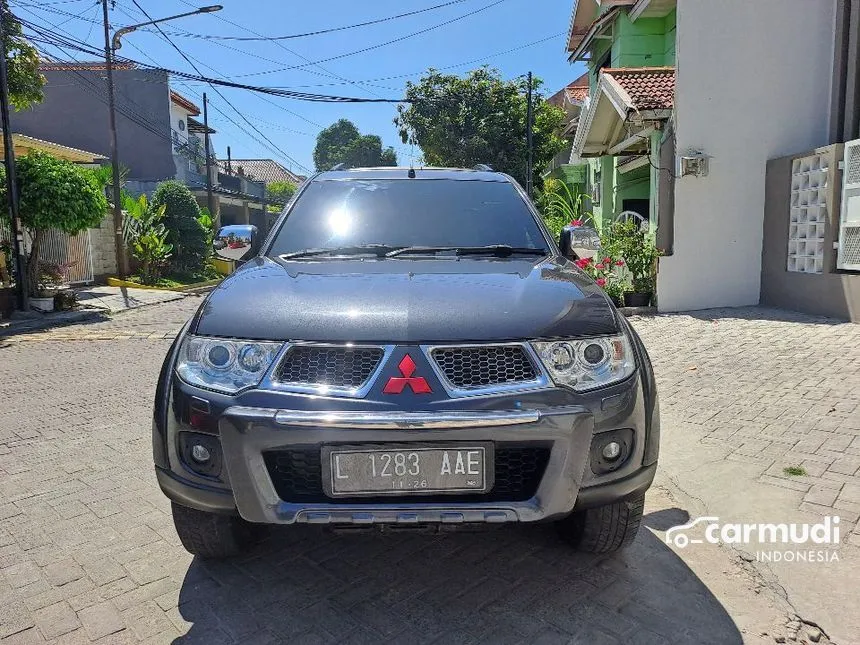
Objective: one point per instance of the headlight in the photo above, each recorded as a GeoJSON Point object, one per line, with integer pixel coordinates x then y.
{"type": "Point", "coordinates": [589, 363]}
{"type": "Point", "coordinates": [224, 365]}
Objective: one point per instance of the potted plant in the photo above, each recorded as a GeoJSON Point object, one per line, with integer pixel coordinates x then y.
{"type": "Point", "coordinates": [640, 255]}
{"type": "Point", "coordinates": [52, 278]}
{"type": "Point", "coordinates": [606, 273]}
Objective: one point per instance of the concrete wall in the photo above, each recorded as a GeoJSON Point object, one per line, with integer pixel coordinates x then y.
{"type": "Point", "coordinates": [753, 81]}
{"type": "Point", "coordinates": [75, 113]}
{"type": "Point", "coordinates": [831, 293]}
{"type": "Point", "coordinates": [103, 249]}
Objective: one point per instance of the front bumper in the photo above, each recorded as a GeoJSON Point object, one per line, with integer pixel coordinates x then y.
{"type": "Point", "coordinates": [567, 483]}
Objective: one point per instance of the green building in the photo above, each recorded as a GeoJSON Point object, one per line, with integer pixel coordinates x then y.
{"type": "Point", "coordinates": [625, 120]}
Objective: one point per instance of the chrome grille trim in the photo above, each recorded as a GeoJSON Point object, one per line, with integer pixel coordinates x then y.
{"type": "Point", "coordinates": [540, 380]}
{"type": "Point", "coordinates": [273, 380]}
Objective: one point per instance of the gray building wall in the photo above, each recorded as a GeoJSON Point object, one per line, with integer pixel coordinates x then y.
{"type": "Point", "coordinates": [831, 293]}
{"type": "Point", "coordinates": [75, 113]}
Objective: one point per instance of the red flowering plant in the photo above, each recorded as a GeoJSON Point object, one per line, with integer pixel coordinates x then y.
{"type": "Point", "coordinates": [607, 273]}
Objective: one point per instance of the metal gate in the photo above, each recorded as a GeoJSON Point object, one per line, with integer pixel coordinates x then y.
{"type": "Point", "coordinates": [73, 251]}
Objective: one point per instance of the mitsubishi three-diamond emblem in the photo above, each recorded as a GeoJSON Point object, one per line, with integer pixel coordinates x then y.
{"type": "Point", "coordinates": [396, 384]}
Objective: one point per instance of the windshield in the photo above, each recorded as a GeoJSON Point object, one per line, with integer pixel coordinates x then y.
{"type": "Point", "coordinates": [404, 213]}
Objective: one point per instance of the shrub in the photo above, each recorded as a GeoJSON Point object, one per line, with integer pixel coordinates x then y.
{"type": "Point", "coordinates": [629, 241]}
{"type": "Point", "coordinates": [559, 205]}
{"type": "Point", "coordinates": [146, 235]}
{"type": "Point", "coordinates": [185, 233]}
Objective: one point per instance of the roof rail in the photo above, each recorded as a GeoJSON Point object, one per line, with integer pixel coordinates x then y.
{"type": "Point", "coordinates": [483, 167]}
{"type": "Point", "coordinates": [340, 166]}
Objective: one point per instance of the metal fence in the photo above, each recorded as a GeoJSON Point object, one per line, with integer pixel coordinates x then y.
{"type": "Point", "coordinates": [73, 251]}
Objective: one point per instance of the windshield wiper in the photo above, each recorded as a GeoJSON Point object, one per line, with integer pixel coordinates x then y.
{"type": "Point", "coordinates": [379, 250]}
{"type": "Point", "coordinates": [499, 250]}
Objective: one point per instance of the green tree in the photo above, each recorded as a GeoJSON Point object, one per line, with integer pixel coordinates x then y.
{"type": "Point", "coordinates": [186, 234]}
{"type": "Point", "coordinates": [341, 142]}
{"type": "Point", "coordinates": [280, 191]}
{"type": "Point", "coordinates": [481, 118]}
{"type": "Point", "coordinates": [53, 194]}
{"type": "Point", "coordinates": [22, 60]}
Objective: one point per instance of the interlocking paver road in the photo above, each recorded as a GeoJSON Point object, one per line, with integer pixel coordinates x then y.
{"type": "Point", "coordinates": [88, 552]}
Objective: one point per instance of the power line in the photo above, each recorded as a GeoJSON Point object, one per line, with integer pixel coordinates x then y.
{"type": "Point", "coordinates": [49, 38]}
{"type": "Point", "coordinates": [463, 64]}
{"type": "Point", "coordinates": [291, 51]}
{"type": "Point", "coordinates": [320, 31]}
{"type": "Point", "coordinates": [223, 98]}
{"type": "Point", "coordinates": [129, 111]}
{"type": "Point", "coordinates": [368, 81]}
{"type": "Point", "coordinates": [383, 44]}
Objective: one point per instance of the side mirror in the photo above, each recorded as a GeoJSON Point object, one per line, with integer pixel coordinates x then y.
{"type": "Point", "coordinates": [236, 243]}
{"type": "Point", "coordinates": [578, 242]}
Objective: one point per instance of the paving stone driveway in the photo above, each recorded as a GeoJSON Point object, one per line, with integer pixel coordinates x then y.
{"type": "Point", "coordinates": [781, 389]}
{"type": "Point", "coordinates": [88, 552]}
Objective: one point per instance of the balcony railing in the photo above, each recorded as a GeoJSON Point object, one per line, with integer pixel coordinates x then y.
{"type": "Point", "coordinates": [242, 185]}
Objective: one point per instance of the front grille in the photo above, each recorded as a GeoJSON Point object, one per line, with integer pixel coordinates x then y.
{"type": "Point", "coordinates": [320, 365]}
{"type": "Point", "coordinates": [519, 468]}
{"type": "Point", "coordinates": [468, 368]}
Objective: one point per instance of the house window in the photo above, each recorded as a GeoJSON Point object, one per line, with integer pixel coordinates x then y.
{"type": "Point", "coordinates": [181, 125]}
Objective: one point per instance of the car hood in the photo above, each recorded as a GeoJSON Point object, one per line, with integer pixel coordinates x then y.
{"type": "Point", "coordinates": [400, 300]}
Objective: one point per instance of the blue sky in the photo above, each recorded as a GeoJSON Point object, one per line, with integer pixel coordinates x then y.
{"type": "Point", "coordinates": [292, 125]}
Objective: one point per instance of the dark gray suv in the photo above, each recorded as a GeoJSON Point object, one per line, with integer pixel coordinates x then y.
{"type": "Point", "coordinates": [406, 347]}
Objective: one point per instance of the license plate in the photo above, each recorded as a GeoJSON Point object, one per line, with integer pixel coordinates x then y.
{"type": "Point", "coordinates": [406, 470]}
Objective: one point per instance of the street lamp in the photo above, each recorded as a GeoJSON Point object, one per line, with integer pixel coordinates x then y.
{"type": "Point", "coordinates": [111, 45]}
{"type": "Point", "coordinates": [119, 33]}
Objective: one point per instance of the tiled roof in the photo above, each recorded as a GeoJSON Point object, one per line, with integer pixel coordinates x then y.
{"type": "Point", "coordinates": [649, 88]}
{"type": "Point", "coordinates": [184, 103]}
{"type": "Point", "coordinates": [578, 90]}
{"type": "Point", "coordinates": [265, 170]}
{"type": "Point", "coordinates": [78, 67]}
{"type": "Point", "coordinates": [575, 92]}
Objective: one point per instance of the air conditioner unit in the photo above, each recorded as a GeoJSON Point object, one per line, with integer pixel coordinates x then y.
{"type": "Point", "coordinates": [848, 255]}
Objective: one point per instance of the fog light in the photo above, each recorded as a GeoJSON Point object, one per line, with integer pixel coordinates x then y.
{"type": "Point", "coordinates": [611, 451]}
{"type": "Point", "coordinates": [201, 455]}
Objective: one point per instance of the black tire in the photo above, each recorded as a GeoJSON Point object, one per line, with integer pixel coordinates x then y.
{"type": "Point", "coordinates": [211, 535]}
{"type": "Point", "coordinates": [604, 529]}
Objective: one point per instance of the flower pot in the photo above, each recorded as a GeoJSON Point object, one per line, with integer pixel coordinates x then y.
{"type": "Point", "coordinates": [42, 304]}
{"type": "Point", "coordinates": [637, 299]}
{"type": "Point", "coordinates": [617, 301]}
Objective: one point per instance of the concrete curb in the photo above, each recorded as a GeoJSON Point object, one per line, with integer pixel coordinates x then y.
{"type": "Point", "coordinates": [117, 282]}
{"type": "Point", "coordinates": [637, 311]}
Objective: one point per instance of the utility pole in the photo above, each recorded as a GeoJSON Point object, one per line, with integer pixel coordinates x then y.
{"type": "Point", "coordinates": [529, 128]}
{"type": "Point", "coordinates": [209, 201]}
{"type": "Point", "coordinates": [11, 181]}
{"type": "Point", "coordinates": [121, 267]}
{"type": "Point", "coordinates": [229, 162]}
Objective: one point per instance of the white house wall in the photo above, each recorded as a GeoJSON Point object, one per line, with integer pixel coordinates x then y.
{"type": "Point", "coordinates": [753, 81]}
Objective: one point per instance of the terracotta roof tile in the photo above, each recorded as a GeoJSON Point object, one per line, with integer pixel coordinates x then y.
{"type": "Point", "coordinates": [184, 103]}
{"type": "Point", "coordinates": [265, 170]}
{"type": "Point", "coordinates": [575, 92]}
{"type": "Point", "coordinates": [650, 88]}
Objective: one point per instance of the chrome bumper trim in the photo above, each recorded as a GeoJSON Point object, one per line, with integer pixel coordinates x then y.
{"type": "Point", "coordinates": [394, 420]}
